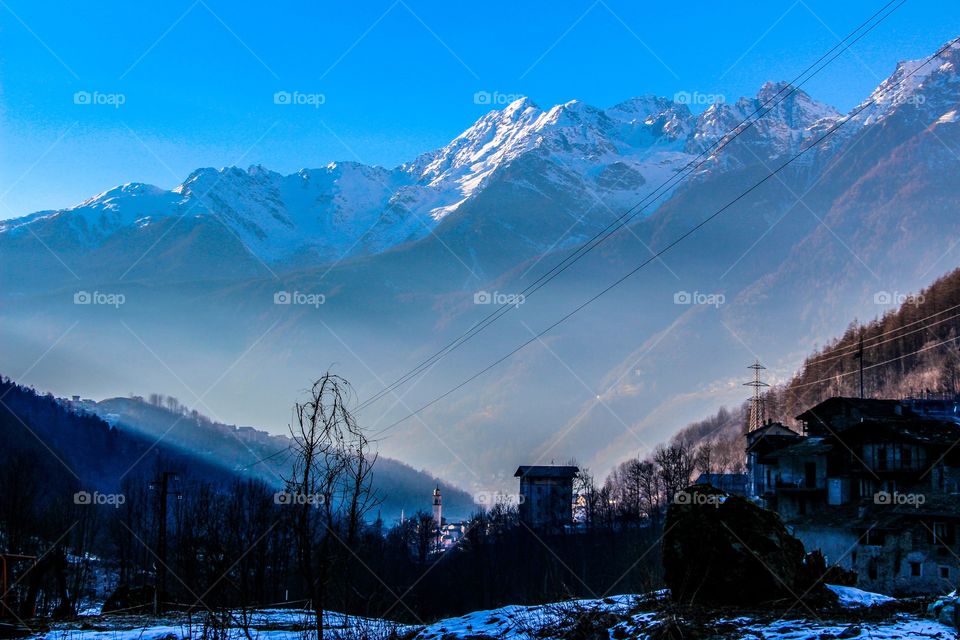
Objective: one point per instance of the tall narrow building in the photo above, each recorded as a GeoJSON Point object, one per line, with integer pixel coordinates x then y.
{"type": "Point", "coordinates": [437, 507]}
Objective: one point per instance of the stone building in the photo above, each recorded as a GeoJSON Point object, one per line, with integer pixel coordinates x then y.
{"type": "Point", "coordinates": [546, 495]}
{"type": "Point", "coordinates": [873, 484]}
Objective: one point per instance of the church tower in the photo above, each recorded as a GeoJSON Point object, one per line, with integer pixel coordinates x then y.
{"type": "Point", "coordinates": [437, 507]}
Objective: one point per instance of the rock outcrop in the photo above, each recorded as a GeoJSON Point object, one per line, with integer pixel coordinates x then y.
{"type": "Point", "coordinates": [723, 549]}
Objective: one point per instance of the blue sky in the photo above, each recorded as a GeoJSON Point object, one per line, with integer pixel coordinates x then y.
{"type": "Point", "coordinates": [197, 79]}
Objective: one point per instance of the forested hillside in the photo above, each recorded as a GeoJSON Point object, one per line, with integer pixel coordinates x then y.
{"type": "Point", "coordinates": [912, 350]}
{"type": "Point", "coordinates": [399, 487]}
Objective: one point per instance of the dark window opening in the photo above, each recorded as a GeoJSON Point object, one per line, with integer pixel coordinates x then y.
{"type": "Point", "coordinates": [875, 537]}
{"type": "Point", "coordinates": [940, 533]}
{"type": "Point", "coordinates": [916, 569]}
{"type": "Point", "coordinates": [810, 474]}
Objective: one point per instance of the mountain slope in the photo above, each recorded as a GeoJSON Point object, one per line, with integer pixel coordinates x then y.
{"type": "Point", "coordinates": [565, 156]}
{"type": "Point", "coordinates": [872, 210]}
{"type": "Point", "coordinates": [89, 446]}
{"type": "Point", "coordinates": [912, 350]}
{"type": "Point", "coordinates": [251, 452]}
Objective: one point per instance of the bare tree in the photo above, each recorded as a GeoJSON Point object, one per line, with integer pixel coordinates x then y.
{"type": "Point", "coordinates": [675, 465]}
{"type": "Point", "coordinates": [426, 536]}
{"type": "Point", "coordinates": [704, 458]}
{"type": "Point", "coordinates": [585, 497]}
{"type": "Point", "coordinates": [329, 487]}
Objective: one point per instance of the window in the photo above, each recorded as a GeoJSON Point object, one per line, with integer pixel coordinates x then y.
{"type": "Point", "coordinates": [916, 569]}
{"type": "Point", "coordinates": [875, 538]}
{"type": "Point", "coordinates": [940, 532]}
{"type": "Point", "coordinates": [945, 573]}
{"type": "Point", "coordinates": [810, 475]}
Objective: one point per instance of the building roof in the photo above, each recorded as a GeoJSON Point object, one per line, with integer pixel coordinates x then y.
{"type": "Point", "coordinates": [771, 436]}
{"type": "Point", "coordinates": [545, 471]}
{"type": "Point", "coordinates": [771, 428]}
{"type": "Point", "coordinates": [918, 430]}
{"type": "Point", "coordinates": [811, 446]}
{"type": "Point", "coordinates": [865, 407]}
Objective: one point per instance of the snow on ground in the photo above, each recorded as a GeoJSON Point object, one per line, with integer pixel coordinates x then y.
{"type": "Point", "coordinates": [515, 621]}
{"type": "Point", "coordinates": [624, 616]}
{"type": "Point", "coordinates": [901, 627]}
{"type": "Point", "coordinates": [854, 598]}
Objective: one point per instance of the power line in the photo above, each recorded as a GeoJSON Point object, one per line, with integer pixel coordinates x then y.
{"type": "Point", "coordinates": [636, 209]}
{"type": "Point", "coordinates": [850, 350]}
{"type": "Point", "coordinates": [873, 366]}
{"type": "Point", "coordinates": [675, 242]}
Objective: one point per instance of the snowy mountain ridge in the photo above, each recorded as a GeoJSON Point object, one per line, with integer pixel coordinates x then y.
{"type": "Point", "coordinates": [616, 156]}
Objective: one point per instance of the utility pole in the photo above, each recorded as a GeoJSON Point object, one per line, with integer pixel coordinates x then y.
{"type": "Point", "coordinates": [163, 486]}
{"type": "Point", "coordinates": [859, 356]}
{"type": "Point", "coordinates": [756, 403]}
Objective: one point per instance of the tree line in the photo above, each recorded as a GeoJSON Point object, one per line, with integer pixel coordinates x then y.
{"type": "Point", "coordinates": [223, 544]}
{"type": "Point", "coordinates": [912, 350]}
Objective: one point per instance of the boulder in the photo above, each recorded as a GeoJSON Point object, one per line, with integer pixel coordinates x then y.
{"type": "Point", "coordinates": [945, 610]}
{"type": "Point", "coordinates": [722, 549]}
{"type": "Point", "coordinates": [129, 600]}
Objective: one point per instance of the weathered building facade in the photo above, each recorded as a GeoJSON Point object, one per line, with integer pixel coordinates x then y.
{"type": "Point", "coordinates": [873, 484]}
{"type": "Point", "coordinates": [546, 495]}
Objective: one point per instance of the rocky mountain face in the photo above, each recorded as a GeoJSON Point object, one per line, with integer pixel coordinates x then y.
{"type": "Point", "coordinates": [401, 254]}
{"type": "Point", "coordinates": [571, 153]}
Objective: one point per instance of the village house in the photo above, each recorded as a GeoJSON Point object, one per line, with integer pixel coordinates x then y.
{"type": "Point", "coordinates": [873, 484]}
{"type": "Point", "coordinates": [546, 495]}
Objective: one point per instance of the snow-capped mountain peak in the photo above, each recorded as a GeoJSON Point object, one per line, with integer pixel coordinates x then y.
{"type": "Point", "coordinates": [916, 88]}
{"type": "Point", "coordinates": [575, 152]}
